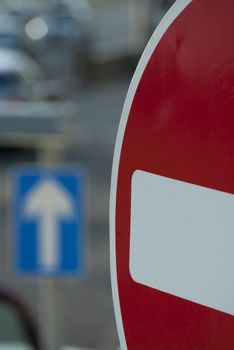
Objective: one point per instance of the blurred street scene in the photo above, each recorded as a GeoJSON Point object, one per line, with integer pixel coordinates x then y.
{"type": "Point", "coordinates": [65, 68]}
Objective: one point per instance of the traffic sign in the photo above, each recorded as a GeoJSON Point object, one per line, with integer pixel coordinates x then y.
{"type": "Point", "coordinates": [48, 222]}
{"type": "Point", "coordinates": [172, 203]}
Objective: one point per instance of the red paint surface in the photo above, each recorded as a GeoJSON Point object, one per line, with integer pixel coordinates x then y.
{"type": "Point", "coordinates": [181, 125]}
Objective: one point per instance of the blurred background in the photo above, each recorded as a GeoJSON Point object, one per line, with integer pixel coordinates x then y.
{"type": "Point", "coordinates": [65, 67]}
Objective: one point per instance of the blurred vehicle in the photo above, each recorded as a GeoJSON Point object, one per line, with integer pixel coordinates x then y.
{"type": "Point", "coordinates": [17, 330]}
{"type": "Point", "coordinates": [60, 37]}
{"type": "Point", "coordinates": [18, 69]}
{"type": "Point", "coordinates": [18, 72]}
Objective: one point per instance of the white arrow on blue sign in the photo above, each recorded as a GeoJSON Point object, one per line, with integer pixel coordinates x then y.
{"type": "Point", "coordinates": [48, 222]}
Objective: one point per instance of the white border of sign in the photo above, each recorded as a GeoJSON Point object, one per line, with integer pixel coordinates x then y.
{"type": "Point", "coordinates": [170, 17]}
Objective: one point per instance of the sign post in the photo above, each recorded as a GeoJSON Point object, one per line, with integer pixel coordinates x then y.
{"type": "Point", "coordinates": [172, 193]}
{"type": "Point", "coordinates": [48, 237]}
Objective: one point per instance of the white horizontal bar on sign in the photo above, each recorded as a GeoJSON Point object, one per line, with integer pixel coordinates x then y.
{"type": "Point", "coordinates": [182, 240]}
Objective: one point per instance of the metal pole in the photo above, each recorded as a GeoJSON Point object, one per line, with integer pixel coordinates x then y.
{"type": "Point", "coordinates": [50, 308]}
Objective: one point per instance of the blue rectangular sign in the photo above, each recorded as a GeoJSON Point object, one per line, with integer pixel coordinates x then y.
{"type": "Point", "coordinates": [48, 222]}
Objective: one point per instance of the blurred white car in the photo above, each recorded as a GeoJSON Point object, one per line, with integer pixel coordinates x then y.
{"type": "Point", "coordinates": [18, 71]}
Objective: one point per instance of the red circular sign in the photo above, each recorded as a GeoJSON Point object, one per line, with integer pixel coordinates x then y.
{"type": "Point", "coordinates": [172, 231]}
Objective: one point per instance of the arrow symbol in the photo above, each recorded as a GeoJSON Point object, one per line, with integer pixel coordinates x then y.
{"type": "Point", "coordinates": [48, 203]}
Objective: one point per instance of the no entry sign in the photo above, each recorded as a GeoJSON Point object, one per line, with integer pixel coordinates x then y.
{"type": "Point", "coordinates": [172, 196]}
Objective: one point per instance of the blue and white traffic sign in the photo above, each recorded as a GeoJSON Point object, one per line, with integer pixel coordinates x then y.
{"type": "Point", "coordinates": [48, 222]}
